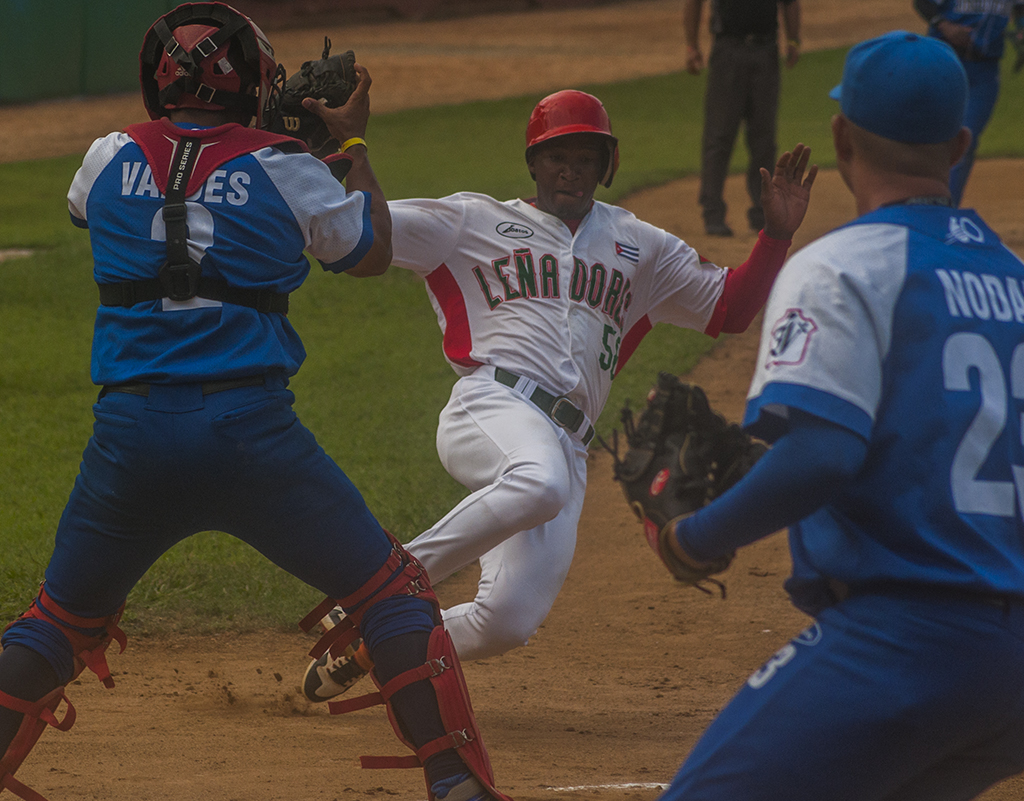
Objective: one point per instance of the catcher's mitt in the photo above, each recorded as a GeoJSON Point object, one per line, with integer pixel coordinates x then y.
{"type": "Point", "coordinates": [329, 80]}
{"type": "Point", "coordinates": [681, 455]}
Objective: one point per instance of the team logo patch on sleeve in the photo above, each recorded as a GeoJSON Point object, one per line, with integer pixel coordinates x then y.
{"type": "Point", "coordinates": [630, 253]}
{"type": "Point", "coordinates": [790, 337]}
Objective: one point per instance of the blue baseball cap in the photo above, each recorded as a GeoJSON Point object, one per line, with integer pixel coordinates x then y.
{"type": "Point", "coordinates": [905, 87]}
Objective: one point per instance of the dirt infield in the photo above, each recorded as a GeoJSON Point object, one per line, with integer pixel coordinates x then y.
{"type": "Point", "coordinates": [628, 669]}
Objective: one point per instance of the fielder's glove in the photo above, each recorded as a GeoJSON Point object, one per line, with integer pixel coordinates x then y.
{"type": "Point", "coordinates": [329, 80]}
{"type": "Point", "coordinates": [681, 455]}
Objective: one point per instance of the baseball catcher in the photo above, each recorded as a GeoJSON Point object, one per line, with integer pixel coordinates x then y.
{"type": "Point", "coordinates": [204, 207]}
{"type": "Point", "coordinates": [329, 80]}
{"type": "Point", "coordinates": [681, 455]}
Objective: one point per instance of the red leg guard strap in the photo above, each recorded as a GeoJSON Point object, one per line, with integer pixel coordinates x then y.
{"type": "Point", "coordinates": [387, 581]}
{"type": "Point", "coordinates": [336, 640]}
{"type": "Point", "coordinates": [309, 621]}
{"type": "Point", "coordinates": [377, 581]}
{"type": "Point", "coordinates": [395, 580]}
{"type": "Point", "coordinates": [89, 651]}
{"type": "Point", "coordinates": [37, 716]}
{"type": "Point", "coordinates": [428, 670]}
{"type": "Point", "coordinates": [391, 579]}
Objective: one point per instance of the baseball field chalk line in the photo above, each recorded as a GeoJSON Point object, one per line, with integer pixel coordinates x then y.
{"type": "Point", "coordinates": [598, 787]}
{"type": "Point", "coordinates": [626, 786]}
{"type": "Point", "coordinates": [14, 253]}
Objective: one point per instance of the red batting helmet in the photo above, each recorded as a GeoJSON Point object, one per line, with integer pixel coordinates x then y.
{"type": "Point", "coordinates": [569, 112]}
{"type": "Point", "coordinates": [207, 56]}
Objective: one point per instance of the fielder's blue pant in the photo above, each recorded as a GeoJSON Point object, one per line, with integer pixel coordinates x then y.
{"type": "Point", "coordinates": [162, 468]}
{"type": "Point", "coordinates": [884, 698]}
{"type": "Point", "coordinates": [983, 82]}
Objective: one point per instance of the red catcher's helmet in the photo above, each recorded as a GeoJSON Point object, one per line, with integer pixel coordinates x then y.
{"type": "Point", "coordinates": [569, 112]}
{"type": "Point", "coordinates": [208, 56]}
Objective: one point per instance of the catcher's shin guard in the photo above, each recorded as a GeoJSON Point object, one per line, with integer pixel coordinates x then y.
{"type": "Point", "coordinates": [443, 671]}
{"type": "Point", "coordinates": [403, 574]}
{"type": "Point", "coordinates": [37, 715]}
{"type": "Point", "coordinates": [89, 636]}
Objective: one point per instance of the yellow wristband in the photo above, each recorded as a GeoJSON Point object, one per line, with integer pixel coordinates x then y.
{"type": "Point", "coordinates": [355, 140]}
{"type": "Point", "coordinates": [794, 43]}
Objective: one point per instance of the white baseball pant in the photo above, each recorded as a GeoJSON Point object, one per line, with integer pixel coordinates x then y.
{"type": "Point", "coordinates": [527, 477]}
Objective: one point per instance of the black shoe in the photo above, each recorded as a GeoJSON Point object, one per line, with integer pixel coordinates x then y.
{"type": "Point", "coordinates": [717, 229]}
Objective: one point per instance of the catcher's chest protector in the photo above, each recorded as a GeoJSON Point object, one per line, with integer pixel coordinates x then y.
{"type": "Point", "coordinates": [158, 140]}
{"type": "Point", "coordinates": [181, 161]}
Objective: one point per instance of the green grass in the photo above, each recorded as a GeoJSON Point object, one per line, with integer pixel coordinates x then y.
{"type": "Point", "coordinates": [375, 378]}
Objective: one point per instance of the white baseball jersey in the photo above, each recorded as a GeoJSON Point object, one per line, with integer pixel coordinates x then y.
{"type": "Point", "coordinates": [513, 287]}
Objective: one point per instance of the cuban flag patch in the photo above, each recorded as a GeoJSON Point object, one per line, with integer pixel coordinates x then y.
{"type": "Point", "coordinates": [630, 253]}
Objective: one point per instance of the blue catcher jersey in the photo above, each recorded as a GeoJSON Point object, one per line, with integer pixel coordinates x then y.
{"type": "Point", "coordinates": [248, 224]}
{"type": "Point", "coordinates": [907, 327]}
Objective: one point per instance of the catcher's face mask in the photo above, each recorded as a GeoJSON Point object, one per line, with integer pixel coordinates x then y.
{"type": "Point", "coordinates": [206, 56]}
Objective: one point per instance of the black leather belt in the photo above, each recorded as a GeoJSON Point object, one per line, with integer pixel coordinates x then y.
{"type": "Point", "coordinates": [936, 592]}
{"type": "Point", "coordinates": [208, 388]}
{"type": "Point", "coordinates": [754, 39]}
{"type": "Point", "coordinates": [558, 407]}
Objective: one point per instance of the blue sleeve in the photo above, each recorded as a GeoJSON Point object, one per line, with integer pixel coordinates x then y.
{"type": "Point", "coordinates": [807, 465]}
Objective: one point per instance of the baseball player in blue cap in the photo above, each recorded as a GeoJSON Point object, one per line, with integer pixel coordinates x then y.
{"type": "Point", "coordinates": [890, 381]}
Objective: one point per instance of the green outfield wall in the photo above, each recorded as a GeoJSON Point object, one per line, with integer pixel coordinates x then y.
{"type": "Point", "coordinates": [64, 48]}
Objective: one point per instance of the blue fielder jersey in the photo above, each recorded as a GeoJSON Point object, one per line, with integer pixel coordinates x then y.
{"type": "Point", "coordinates": [249, 224]}
{"type": "Point", "coordinates": [906, 327]}
{"type": "Point", "coordinates": [987, 20]}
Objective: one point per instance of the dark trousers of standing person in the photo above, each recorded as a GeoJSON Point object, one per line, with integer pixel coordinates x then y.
{"type": "Point", "coordinates": [743, 86]}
